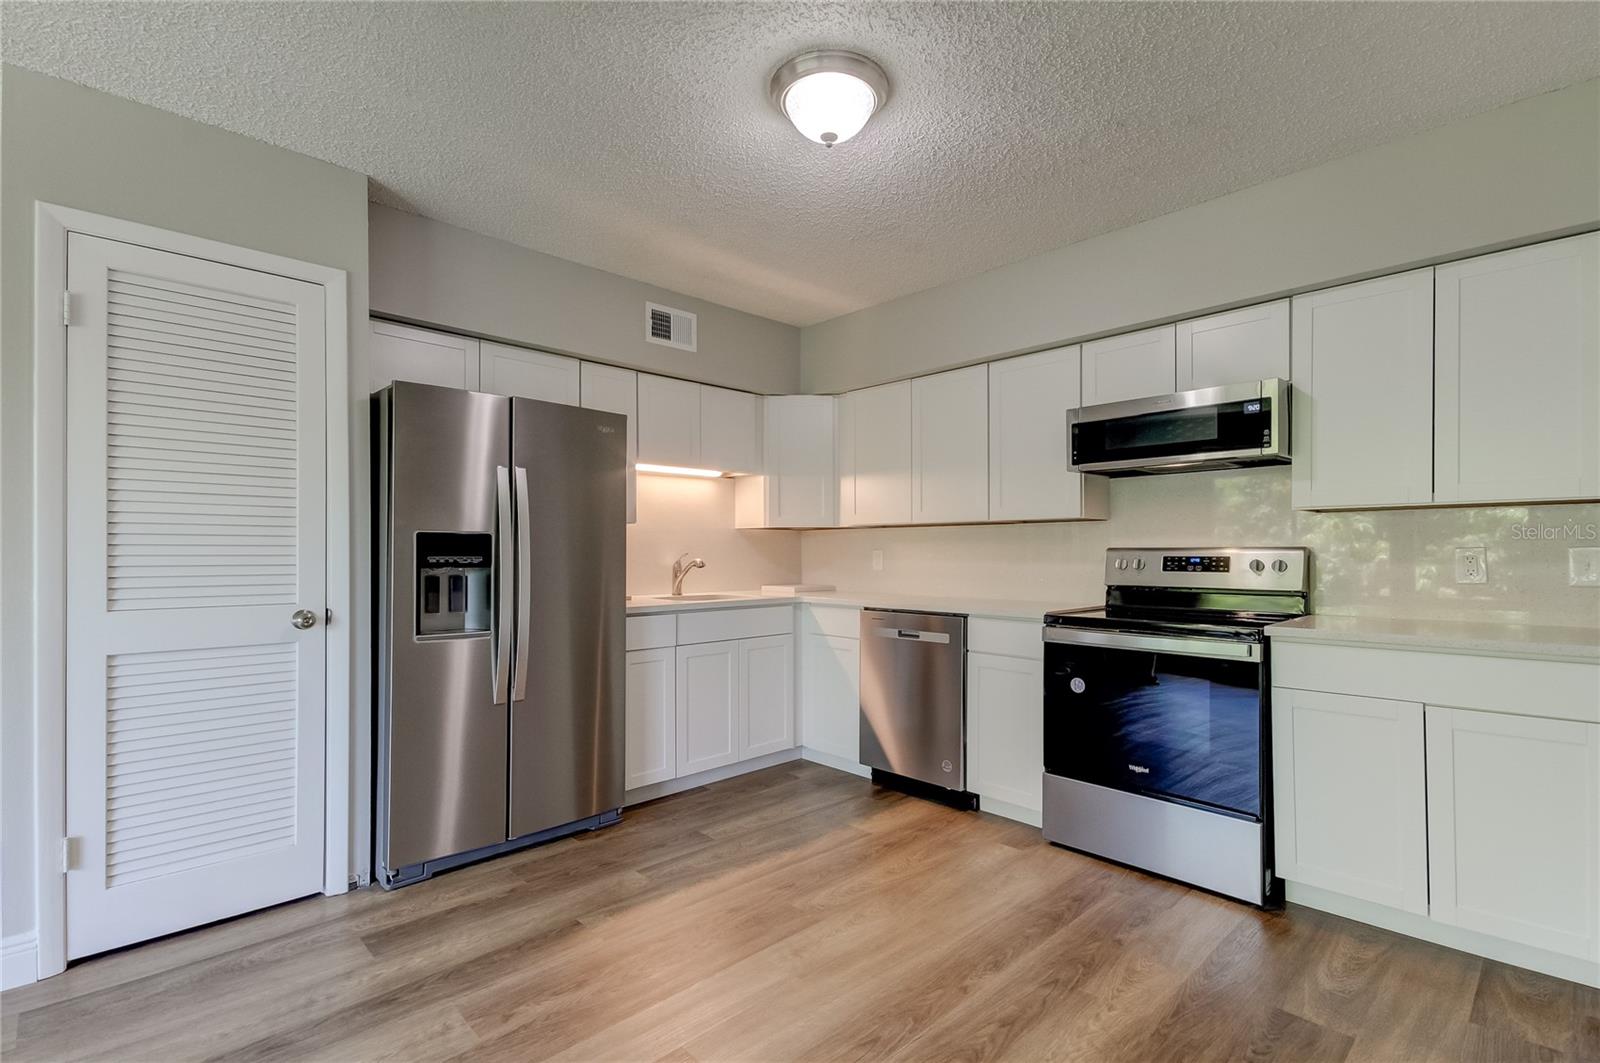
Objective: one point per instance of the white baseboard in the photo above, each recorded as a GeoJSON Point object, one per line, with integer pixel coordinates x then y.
{"type": "Point", "coordinates": [828, 760]}
{"type": "Point", "coordinates": [701, 778]}
{"type": "Point", "coordinates": [19, 960]}
{"type": "Point", "coordinates": [1410, 924]}
{"type": "Point", "coordinates": [1006, 810]}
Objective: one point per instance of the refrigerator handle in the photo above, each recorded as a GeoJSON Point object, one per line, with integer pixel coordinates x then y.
{"type": "Point", "coordinates": [524, 585]}
{"type": "Point", "coordinates": [502, 593]}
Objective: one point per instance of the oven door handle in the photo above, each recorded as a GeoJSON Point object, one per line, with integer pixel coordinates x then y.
{"type": "Point", "coordinates": [1222, 649]}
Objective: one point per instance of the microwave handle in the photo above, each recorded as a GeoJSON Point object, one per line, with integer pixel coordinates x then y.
{"type": "Point", "coordinates": [1220, 649]}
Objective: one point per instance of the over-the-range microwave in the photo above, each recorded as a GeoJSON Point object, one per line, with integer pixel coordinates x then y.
{"type": "Point", "coordinates": [1211, 428]}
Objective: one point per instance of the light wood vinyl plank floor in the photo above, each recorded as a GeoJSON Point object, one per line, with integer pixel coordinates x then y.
{"type": "Point", "coordinates": [795, 913]}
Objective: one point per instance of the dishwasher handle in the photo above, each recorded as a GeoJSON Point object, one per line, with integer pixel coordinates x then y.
{"type": "Point", "coordinates": [912, 636]}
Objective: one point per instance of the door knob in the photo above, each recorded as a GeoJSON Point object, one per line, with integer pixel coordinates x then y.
{"type": "Point", "coordinates": [303, 618]}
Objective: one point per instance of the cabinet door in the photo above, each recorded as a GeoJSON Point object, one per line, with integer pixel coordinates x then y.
{"type": "Point", "coordinates": [1234, 348]}
{"type": "Point", "coordinates": [1362, 416]}
{"type": "Point", "coordinates": [766, 680]}
{"type": "Point", "coordinates": [830, 698]}
{"type": "Point", "coordinates": [1349, 793]}
{"type": "Point", "coordinates": [602, 387]}
{"type": "Point", "coordinates": [526, 374]}
{"type": "Point", "coordinates": [799, 487]}
{"type": "Point", "coordinates": [1030, 454]}
{"type": "Point", "coordinates": [708, 706]}
{"type": "Point", "coordinates": [1517, 375]}
{"type": "Point", "coordinates": [1133, 366]}
{"type": "Point", "coordinates": [421, 356]}
{"type": "Point", "coordinates": [650, 735]}
{"type": "Point", "coordinates": [875, 455]}
{"type": "Point", "coordinates": [950, 446]}
{"type": "Point", "coordinates": [1005, 721]}
{"type": "Point", "coordinates": [1514, 827]}
{"type": "Point", "coordinates": [729, 430]}
{"type": "Point", "coordinates": [669, 422]}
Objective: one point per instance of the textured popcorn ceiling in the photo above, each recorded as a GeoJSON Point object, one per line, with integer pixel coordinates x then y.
{"type": "Point", "coordinates": [638, 137]}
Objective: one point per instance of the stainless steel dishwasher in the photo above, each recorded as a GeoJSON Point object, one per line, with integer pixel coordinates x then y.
{"type": "Point", "coordinates": [913, 702]}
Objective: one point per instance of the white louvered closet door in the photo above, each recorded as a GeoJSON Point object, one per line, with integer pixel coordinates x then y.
{"type": "Point", "coordinates": [196, 527]}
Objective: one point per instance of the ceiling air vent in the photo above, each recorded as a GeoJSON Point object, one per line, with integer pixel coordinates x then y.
{"type": "Point", "coordinates": [669, 327]}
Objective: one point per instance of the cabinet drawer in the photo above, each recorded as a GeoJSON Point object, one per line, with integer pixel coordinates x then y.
{"type": "Point", "coordinates": [837, 621]}
{"type": "Point", "coordinates": [717, 625]}
{"type": "Point", "coordinates": [1009, 638]}
{"type": "Point", "coordinates": [652, 632]}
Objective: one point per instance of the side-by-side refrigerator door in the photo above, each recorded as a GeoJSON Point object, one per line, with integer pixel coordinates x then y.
{"type": "Point", "coordinates": [446, 666]}
{"type": "Point", "coordinates": [569, 478]}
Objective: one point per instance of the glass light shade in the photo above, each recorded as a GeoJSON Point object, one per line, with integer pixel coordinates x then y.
{"type": "Point", "coordinates": [829, 106]}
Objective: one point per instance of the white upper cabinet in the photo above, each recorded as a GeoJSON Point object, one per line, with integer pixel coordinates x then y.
{"type": "Point", "coordinates": [875, 455]}
{"type": "Point", "coordinates": [669, 421]}
{"type": "Point", "coordinates": [1514, 827]}
{"type": "Point", "coordinates": [1234, 348]}
{"type": "Point", "coordinates": [1132, 366]}
{"type": "Point", "coordinates": [798, 487]}
{"type": "Point", "coordinates": [1517, 375]}
{"type": "Point", "coordinates": [1030, 454]}
{"type": "Point", "coordinates": [526, 374]}
{"type": "Point", "coordinates": [730, 430]}
{"type": "Point", "coordinates": [1362, 418]}
{"type": "Point", "coordinates": [604, 387]}
{"type": "Point", "coordinates": [421, 356]}
{"type": "Point", "coordinates": [950, 446]}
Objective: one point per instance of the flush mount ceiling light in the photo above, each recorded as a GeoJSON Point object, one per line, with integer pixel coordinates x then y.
{"type": "Point", "coordinates": [829, 95]}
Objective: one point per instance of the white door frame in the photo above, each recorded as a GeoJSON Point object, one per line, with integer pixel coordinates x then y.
{"type": "Point", "coordinates": [51, 225]}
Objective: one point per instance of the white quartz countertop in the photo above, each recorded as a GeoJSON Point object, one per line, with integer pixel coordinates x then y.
{"type": "Point", "coordinates": [1532, 641]}
{"type": "Point", "coordinates": [989, 608]}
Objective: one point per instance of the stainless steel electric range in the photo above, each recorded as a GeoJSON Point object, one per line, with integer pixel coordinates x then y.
{"type": "Point", "coordinates": [1156, 715]}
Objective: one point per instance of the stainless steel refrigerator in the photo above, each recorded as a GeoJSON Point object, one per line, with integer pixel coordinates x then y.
{"type": "Point", "coordinates": [499, 550]}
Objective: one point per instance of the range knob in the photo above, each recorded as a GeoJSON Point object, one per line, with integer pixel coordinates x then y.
{"type": "Point", "coordinates": [1257, 566]}
{"type": "Point", "coordinates": [1280, 565]}
{"type": "Point", "coordinates": [1122, 563]}
{"type": "Point", "coordinates": [1138, 563]}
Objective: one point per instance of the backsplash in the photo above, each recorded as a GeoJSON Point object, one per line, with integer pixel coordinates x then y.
{"type": "Point", "coordinates": [1372, 562]}
{"type": "Point", "coordinates": [678, 514]}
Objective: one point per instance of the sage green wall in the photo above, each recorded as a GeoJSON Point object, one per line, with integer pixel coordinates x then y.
{"type": "Point", "coordinates": [1524, 171]}
{"type": "Point", "coordinates": [430, 273]}
{"type": "Point", "coordinates": [69, 145]}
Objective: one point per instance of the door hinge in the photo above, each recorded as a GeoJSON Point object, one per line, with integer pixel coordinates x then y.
{"type": "Point", "coordinates": [69, 854]}
{"type": "Point", "coordinates": [66, 308]}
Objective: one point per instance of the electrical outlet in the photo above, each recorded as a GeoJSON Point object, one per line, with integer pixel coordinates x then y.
{"type": "Point", "coordinates": [877, 560]}
{"type": "Point", "coordinates": [1472, 564]}
{"type": "Point", "coordinates": [1583, 566]}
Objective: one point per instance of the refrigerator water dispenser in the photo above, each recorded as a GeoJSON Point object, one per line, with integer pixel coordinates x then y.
{"type": "Point", "coordinates": [454, 595]}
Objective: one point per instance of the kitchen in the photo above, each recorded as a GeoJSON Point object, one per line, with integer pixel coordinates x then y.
{"type": "Point", "coordinates": [865, 539]}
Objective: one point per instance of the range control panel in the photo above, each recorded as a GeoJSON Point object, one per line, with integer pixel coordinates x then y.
{"type": "Point", "coordinates": [1195, 563]}
{"type": "Point", "coordinates": [1211, 568]}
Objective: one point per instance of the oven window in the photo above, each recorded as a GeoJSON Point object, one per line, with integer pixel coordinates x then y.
{"type": "Point", "coordinates": [1163, 725]}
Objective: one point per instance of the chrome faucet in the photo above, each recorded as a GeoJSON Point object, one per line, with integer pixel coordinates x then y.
{"type": "Point", "coordinates": [681, 568]}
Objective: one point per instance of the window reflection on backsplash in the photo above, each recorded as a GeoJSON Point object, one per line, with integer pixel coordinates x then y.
{"type": "Point", "coordinates": [1369, 562]}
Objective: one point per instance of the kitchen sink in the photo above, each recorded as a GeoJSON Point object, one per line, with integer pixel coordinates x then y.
{"type": "Point", "coordinates": [701, 597]}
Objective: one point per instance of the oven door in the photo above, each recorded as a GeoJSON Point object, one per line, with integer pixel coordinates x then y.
{"type": "Point", "coordinates": [1174, 718]}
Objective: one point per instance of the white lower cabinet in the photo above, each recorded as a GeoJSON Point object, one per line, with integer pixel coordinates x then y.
{"type": "Point", "coordinates": [766, 695]}
{"type": "Point", "coordinates": [830, 698]}
{"type": "Point", "coordinates": [708, 706]}
{"type": "Point", "coordinates": [1349, 797]}
{"type": "Point", "coordinates": [1514, 827]}
{"type": "Point", "coordinates": [1005, 729]}
{"type": "Point", "coordinates": [650, 728]}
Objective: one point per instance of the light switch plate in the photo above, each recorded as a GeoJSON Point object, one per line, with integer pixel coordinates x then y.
{"type": "Point", "coordinates": [1472, 564]}
{"type": "Point", "coordinates": [1583, 566]}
